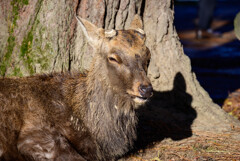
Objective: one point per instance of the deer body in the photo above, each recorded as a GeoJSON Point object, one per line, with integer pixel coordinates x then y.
{"type": "Point", "coordinates": [72, 116]}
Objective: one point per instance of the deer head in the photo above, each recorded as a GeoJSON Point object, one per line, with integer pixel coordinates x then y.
{"type": "Point", "coordinates": [125, 57]}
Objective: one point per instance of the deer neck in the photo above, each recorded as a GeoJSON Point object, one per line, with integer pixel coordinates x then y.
{"type": "Point", "coordinates": [109, 115]}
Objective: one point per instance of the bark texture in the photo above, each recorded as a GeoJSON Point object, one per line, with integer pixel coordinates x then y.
{"type": "Point", "coordinates": [41, 36]}
{"type": "Point", "coordinates": [171, 71]}
{"type": "Point", "coordinates": [237, 25]}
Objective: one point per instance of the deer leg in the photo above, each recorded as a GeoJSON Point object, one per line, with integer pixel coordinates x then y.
{"type": "Point", "coordinates": [45, 144]}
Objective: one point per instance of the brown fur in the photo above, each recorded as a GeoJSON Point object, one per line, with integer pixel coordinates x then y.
{"type": "Point", "coordinates": [73, 116]}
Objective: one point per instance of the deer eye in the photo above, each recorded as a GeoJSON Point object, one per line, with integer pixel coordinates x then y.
{"type": "Point", "coordinates": [114, 59]}
{"type": "Point", "coordinates": [111, 59]}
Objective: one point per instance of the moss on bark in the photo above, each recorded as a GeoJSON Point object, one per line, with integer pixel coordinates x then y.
{"type": "Point", "coordinates": [25, 52]}
{"type": "Point", "coordinates": [16, 6]}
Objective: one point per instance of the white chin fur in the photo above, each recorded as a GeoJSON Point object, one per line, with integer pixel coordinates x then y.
{"type": "Point", "coordinates": [139, 101]}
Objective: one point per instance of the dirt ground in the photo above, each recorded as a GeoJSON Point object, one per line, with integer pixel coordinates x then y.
{"type": "Point", "coordinates": [165, 134]}
{"type": "Point", "coordinates": [202, 146]}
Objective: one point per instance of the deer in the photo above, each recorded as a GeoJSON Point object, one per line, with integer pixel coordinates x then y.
{"type": "Point", "coordinates": [79, 116]}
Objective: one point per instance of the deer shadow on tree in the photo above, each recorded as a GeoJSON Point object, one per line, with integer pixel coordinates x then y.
{"type": "Point", "coordinates": [169, 114]}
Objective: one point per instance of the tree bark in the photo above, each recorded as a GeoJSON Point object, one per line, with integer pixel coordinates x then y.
{"type": "Point", "coordinates": [237, 25]}
{"type": "Point", "coordinates": [41, 36]}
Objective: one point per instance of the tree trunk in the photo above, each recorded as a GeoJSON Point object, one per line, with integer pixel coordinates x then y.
{"type": "Point", "coordinates": [237, 25]}
{"type": "Point", "coordinates": [41, 36]}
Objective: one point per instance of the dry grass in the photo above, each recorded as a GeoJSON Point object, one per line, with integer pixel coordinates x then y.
{"type": "Point", "coordinates": [202, 146]}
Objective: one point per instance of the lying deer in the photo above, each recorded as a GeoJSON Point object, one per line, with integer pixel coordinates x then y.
{"type": "Point", "coordinates": [74, 116]}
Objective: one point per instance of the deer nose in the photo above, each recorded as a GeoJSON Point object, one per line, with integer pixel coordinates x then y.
{"type": "Point", "coordinates": [146, 91]}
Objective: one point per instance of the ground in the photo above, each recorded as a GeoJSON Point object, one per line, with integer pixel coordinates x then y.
{"type": "Point", "coordinates": [173, 140]}
{"type": "Point", "coordinates": [216, 64]}
{"type": "Point", "coordinates": [202, 146]}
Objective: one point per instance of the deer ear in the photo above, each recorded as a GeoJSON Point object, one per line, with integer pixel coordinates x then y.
{"type": "Point", "coordinates": [93, 34]}
{"type": "Point", "coordinates": [137, 25]}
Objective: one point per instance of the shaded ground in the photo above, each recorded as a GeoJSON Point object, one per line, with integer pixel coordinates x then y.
{"type": "Point", "coordinates": [165, 131]}
{"type": "Point", "coordinates": [216, 63]}
{"type": "Point", "coordinates": [202, 146]}
{"type": "Point", "coordinates": [173, 138]}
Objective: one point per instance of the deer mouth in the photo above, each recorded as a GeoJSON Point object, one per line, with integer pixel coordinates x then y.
{"type": "Point", "coordinates": [139, 99]}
